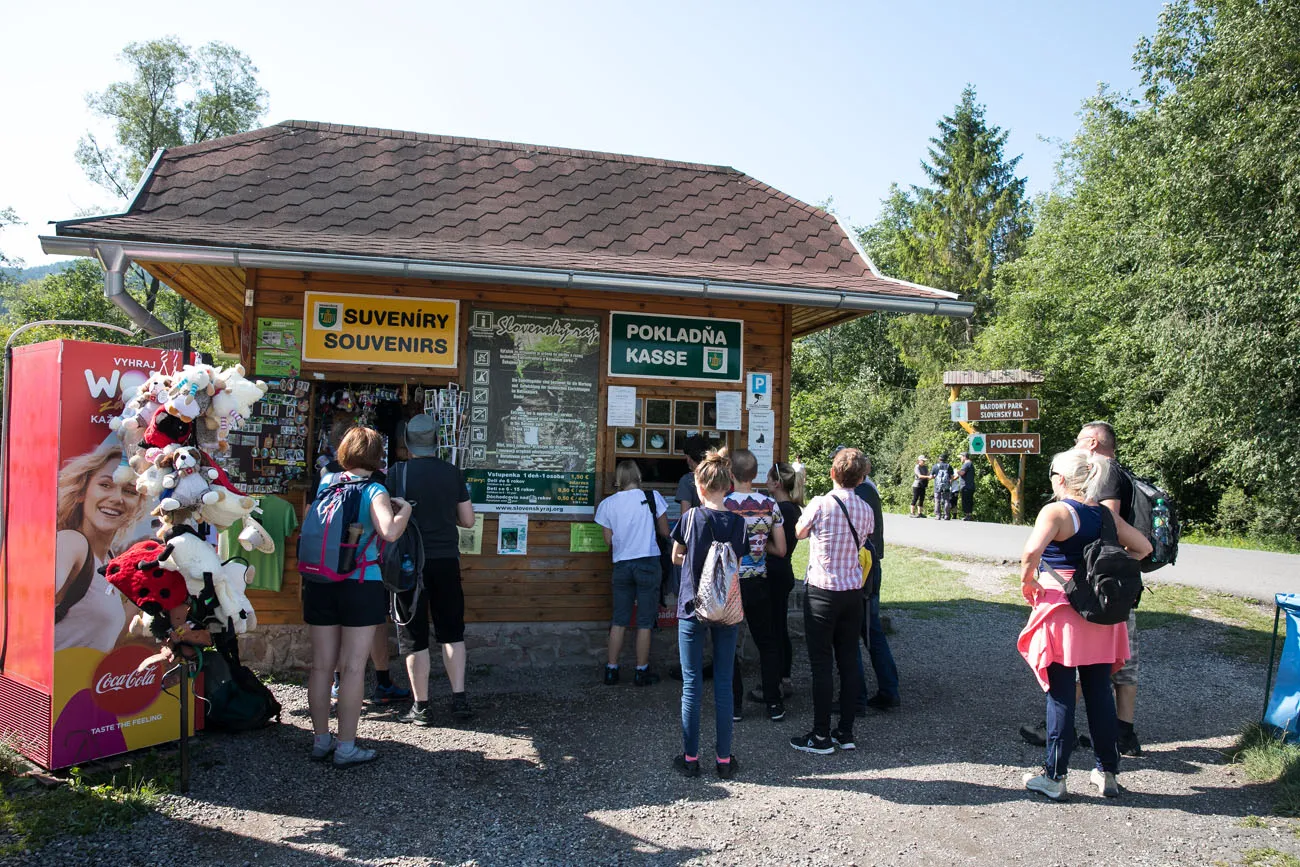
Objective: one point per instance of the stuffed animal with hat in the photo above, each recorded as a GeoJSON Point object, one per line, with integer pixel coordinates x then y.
{"type": "Point", "coordinates": [167, 430]}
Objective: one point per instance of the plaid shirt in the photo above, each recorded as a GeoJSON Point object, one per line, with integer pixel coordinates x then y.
{"type": "Point", "coordinates": [833, 555]}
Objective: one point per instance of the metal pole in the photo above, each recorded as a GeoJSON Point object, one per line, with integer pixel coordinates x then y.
{"type": "Point", "coordinates": [185, 669]}
{"type": "Point", "coordinates": [1272, 650]}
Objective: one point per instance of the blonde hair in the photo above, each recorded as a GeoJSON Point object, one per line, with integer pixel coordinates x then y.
{"type": "Point", "coordinates": [74, 481]}
{"type": "Point", "coordinates": [790, 480]}
{"type": "Point", "coordinates": [627, 473]}
{"type": "Point", "coordinates": [713, 473]}
{"type": "Point", "coordinates": [1082, 474]}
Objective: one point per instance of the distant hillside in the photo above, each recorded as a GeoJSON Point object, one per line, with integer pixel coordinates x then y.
{"type": "Point", "coordinates": [36, 272]}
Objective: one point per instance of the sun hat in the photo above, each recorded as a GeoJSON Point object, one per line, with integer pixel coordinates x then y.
{"type": "Point", "coordinates": [421, 437]}
{"type": "Point", "coordinates": [921, 459]}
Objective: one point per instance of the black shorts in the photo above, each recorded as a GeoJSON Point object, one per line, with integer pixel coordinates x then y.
{"type": "Point", "coordinates": [344, 603]}
{"type": "Point", "coordinates": [918, 495]}
{"type": "Point", "coordinates": [442, 600]}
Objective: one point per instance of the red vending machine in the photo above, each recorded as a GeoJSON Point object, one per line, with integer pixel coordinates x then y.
{"type": "Point", "coordinates": [70, 686]}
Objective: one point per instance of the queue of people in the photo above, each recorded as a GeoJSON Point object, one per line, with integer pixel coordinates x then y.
{"type": "Point", "coordinates": [726, 524]}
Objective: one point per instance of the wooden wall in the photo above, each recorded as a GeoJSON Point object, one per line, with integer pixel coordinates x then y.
{"type": "Point", "coordinates": [550, 584]}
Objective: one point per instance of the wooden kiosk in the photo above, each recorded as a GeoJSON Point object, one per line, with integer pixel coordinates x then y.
{"type": "Point", "coordinates": [532, 278]}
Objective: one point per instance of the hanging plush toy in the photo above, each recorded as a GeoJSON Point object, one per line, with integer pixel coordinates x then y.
{"type": "Point", "coordinates": [233, 402]}
{"type": "Point", "coordinates": [154, 590]}
{"type": "Point", "coordinates": [187, 483]}
{"type": "Point", "coordinates": [166, 430]}
{"type": "Point", "coordinates": [197, 561]}
{"type": "Point", "coordinates": [191, 395]}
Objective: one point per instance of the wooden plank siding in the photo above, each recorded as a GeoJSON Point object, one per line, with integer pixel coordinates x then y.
{"type": "Point", "coordinates": [550, 583]}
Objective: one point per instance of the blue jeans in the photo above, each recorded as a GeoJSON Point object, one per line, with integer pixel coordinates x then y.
{"type": "Point", "coordinates": [882, 658]}
{"type": "Point", "coordinates": [1102, 724]}
{"type": "Point", "coordinates": [690, 646]}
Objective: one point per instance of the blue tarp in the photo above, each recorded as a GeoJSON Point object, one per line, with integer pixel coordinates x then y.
{"type": "Point", "coordinates": [1284, 703]}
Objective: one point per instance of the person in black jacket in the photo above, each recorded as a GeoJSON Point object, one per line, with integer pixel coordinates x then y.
{"type": "Point", "coordinates": [873, 634]}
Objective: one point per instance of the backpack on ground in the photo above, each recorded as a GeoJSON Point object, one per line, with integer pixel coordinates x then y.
{"type": "Point", "coordinates": [1110, 585]}
{"type": "Point", "coordinates": [717, 600]}
{"type": "Point", "coordinates": [1155, 516]}
{"type": "Point", "coordinates": [324, 550]}
{"type": "Point", "coordinates": [236, 699]}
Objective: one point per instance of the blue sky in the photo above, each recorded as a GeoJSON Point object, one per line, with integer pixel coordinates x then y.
{"type": "Point", "coordinates": [820, 100]}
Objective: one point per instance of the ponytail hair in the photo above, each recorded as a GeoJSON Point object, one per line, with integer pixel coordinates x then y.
{"type": "Point", "coordinates": [713, 473]}
{"type": "Point", "coordinates": [1084, 474]}
{"type": "Point", "coordinates": [790, 479]}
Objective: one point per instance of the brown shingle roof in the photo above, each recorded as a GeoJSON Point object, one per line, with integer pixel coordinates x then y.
{"type": "Point", "coordinates": [323, 188]}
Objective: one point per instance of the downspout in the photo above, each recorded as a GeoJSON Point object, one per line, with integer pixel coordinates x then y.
{"type": "Point", "coordinates": [115, 264]}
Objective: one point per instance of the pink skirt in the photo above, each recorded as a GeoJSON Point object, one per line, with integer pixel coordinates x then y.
{"type": "Point", "coordinates": [1056, 633]}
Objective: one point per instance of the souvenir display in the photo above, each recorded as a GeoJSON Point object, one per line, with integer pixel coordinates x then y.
{"type": "Point", "coordinates": [268, 452]}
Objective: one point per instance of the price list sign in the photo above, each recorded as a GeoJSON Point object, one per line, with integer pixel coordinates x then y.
{"type": "Point", "coordinates": [270, 451]}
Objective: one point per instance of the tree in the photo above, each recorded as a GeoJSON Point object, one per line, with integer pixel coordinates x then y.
{"type": "Point", "coordinates": [174, 96]}
{"type": "Point", "coordinates": [77, 293]}
{"type": "Point", "coordinates": [953, 234]}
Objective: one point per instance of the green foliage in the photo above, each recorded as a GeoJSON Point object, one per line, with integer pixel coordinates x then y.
{"type": "Point", "coordinates": [1267, 758]}
{"type": "Point", "coordinates": [8, 217]}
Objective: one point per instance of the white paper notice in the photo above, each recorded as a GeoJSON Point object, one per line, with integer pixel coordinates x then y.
{"type": "Point", "coordinates": [762, 438]}
{"type": "Point", "coordinates": [758, 390]}
{"type": "Point", "coordinates": [728, 403]}
{"type": "Point", "coordinates": [620, 406]}
{"type": "Point", "coordinates": [512, 534]}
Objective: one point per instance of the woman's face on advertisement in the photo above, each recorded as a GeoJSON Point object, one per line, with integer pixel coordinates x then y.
{"type": "Point", "coordinates": [108, 505]}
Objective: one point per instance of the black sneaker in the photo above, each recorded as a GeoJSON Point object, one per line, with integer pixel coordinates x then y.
{"type": "Point", "coordinates": [882, 702]}
{"type": "Point", "coordinates": [417, 716]}
{"type": "Point", "coordinates": [810, 743]}
{"type": "Point", "coordinates": [1129, 745]}
{"type": "Point", "coordinates": [460, 708]}
{"type": "Point", "coordinates": [1035, 736]}
{"type": "Point", "coordinates": [645, 678]}
{"type": "Point", "coordinates": [728, 769]}
{"type": "Point", "coordinates": [842, 740]}
{"type": "Point", "coordinates": [611, 675]}
{"type": "Point", "coordinates": [736, 713]}
{"type": "Point", "coordinates": [685, 768]}
{"type": "Point", "coordinates": [776, 711]}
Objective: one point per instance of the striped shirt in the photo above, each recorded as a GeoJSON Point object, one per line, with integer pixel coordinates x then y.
{"type": "Point", "coordinates": [833, 555]}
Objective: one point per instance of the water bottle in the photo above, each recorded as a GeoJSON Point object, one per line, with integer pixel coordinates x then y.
{"type": "Point", "coordinates": [408, 571]}
{"type": "Point", "coordinates": [1160, 532]}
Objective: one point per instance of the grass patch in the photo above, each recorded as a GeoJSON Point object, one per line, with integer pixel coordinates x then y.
{"type": "Point", "coordinates": [1250, 624]}
{"type": "Point", "coordinates": [1259, 857]}
{"type": "Point", "coordinates": [1266, 758]}
{"type": "Point", "coordinates": [1253, 822]}
{"type": "Point", "coordinates": [1279, 543]}
{"type": "Point", "coordinates": [32, 815]}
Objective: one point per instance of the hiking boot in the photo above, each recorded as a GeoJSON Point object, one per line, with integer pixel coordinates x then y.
{"type": "Point", "coordinates": [810, 743]}
{"type": "Point", "coordinates": [685, 768]}
{"type": "Point", "coordinates": [1129, 745]}
{"type": "Point", "coordinates": [1035, 736]}
{"type": "Point", "coordinates": [645, 678]}
{"type": "Point", "coordinates": [460, 708]}
{"type": "Point", "coordinates": [417, 716]}
{"type": "Point", "coordinates": [611, 675]}
{"type": "Point", "coordinates": [842, 740]}
{"type": "Point", "coordinates": [728, 769]}
{"type": "Point", "coordinates": [1045, 785]}
{"type": "Point", "coordinates": [883, 703]}
{"type": "Point", "coordinates": [320, 754]}
{"type": "Point", "coordinates": [391, 694]}
{"type": "Point", "coordinates": [776, 711]}
{"type": "Point", "coordinates": [1107, 785]}
{"type": "Point", "coordinates": [357, 756]}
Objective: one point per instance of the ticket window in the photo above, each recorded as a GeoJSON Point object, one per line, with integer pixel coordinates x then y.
{"type": "Point", "coordinates": [657, 439]}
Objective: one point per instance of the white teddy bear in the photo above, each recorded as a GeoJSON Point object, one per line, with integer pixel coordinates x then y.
{"type": "Point", "coordinates": [233, 402]}
{"type": "Point", "coordinates": [194, 558]}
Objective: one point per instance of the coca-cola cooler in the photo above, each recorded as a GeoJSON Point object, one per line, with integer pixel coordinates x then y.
{"type": "Point", "coordinates": [71, 688]}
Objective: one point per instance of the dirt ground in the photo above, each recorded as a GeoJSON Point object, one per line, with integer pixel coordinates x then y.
{"type": "Point", "coordinates": [559, 769]}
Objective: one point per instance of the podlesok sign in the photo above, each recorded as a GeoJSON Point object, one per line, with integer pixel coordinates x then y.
{"type": "Point", "coordinates": [675, 347]}
{"type": "Point", "coordinates": [377, 329]}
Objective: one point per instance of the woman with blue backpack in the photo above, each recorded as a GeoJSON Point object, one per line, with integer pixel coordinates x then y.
{"type": "Point", "coordinates": [696, 550]}
{"type": "Point", "coordinates": [343, 594]}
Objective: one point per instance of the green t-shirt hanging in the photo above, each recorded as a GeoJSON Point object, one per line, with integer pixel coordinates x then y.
{"type": "Point", "coordinates": [280, 521]}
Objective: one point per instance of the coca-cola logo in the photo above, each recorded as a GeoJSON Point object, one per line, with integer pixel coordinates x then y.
{"type": "Point", "coordinates": [117, 686]}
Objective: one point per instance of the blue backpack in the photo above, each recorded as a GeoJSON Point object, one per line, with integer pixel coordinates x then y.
{"type": "Point", "coordinates": [324, 550]}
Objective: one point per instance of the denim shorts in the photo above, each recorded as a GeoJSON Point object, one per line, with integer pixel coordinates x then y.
{"type": "Point", "coordinates": [637, 580]}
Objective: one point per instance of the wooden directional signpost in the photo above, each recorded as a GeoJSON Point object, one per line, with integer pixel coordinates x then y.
{"type": "Point", "coordinates": [968, 412]}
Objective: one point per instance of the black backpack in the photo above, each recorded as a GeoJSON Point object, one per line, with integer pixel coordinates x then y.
{"type": "Point", "coordinates": [409, 545]}
{"type": "Point", "coordinates": [1111, 584]}
{"type": "Point", "coordinates": [237, 700]}
{"type": "Point", "coordinates": [1164, 545]}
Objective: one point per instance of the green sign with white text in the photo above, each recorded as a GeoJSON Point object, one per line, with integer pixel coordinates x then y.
{"type": "Point", "coordinates": [675, 347]}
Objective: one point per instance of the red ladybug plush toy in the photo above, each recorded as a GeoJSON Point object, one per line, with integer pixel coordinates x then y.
{"type": "Point", "coordinates": [137, 574]}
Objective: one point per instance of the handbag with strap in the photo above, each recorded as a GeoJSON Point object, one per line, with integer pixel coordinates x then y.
{"type": "Point", "coordinates": [865, 556]}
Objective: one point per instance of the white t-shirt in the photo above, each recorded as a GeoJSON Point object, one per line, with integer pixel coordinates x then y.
{"type": "Point", "coordinates": [95, 621]}
{"type": "Point", "coordinates": [627, 515]}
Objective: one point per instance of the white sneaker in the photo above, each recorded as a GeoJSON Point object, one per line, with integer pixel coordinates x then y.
{"type": "Point", "coordinates": [1107, 785]}
{"type": "Point", "coordinates": [355, 756]}
{"type": "Point", "coordinates": [1045, 785]}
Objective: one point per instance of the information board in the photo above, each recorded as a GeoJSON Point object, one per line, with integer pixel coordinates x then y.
{"type": "Point", "coordinates": [1020, 409]}
{"type": "Point", "coordinates": [675, 347]}
{"type": "Point", "coordinates": [533, 381]}
{"type": "Point", "coordinates": [270, 451]}
{"type": "Point", "coordinates": [279, 347]}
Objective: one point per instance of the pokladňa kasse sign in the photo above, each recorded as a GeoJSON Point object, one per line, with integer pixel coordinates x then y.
{"type": "Point", "coordinates": [676, 347]}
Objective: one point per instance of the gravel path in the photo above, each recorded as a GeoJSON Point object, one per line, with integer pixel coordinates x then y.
{"type": "Point", "coordinates": [559, 769]}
